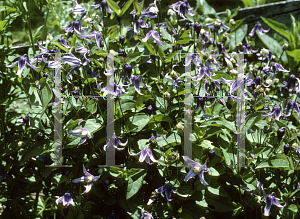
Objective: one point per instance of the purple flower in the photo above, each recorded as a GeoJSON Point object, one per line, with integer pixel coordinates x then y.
{"type": "Point", "coordinates": [151, 11]}
{"type": "Point", "coordinates": [216, 24]}
{"type": "Point", "coordinates": [136, 80]}
{"type": "Point", "coordinates": [63, 42]}
{"type": "Point", "coordinates": [195, 57]}
{"type": "Point", "coordinates": [182, 7]}
{"type": "Point", "coordinates": [146, 215]}
{"type": "Point", "coordinates": [79, 10]}
{"type": "Point", "coordinates": [25, 120]}
{"type": "Point", "coordinates": [145, 153]}
{"type": "Point", "coordinates": [258, 81]}
{"type": "Point", "coordinates": [175, 80]}
{"type": "Point", "coordinates": [221, 49]}
{"type": "Point", "coordinates": [85, 52]}
{"type": "Point", "coordinates": [22, 62]}
{"type": "Point", "coordinates": [237, 83]}
{"type": "Point", "coordinates": [95, 34]}
{"type": "Point", "coordinates": [127, 71]}
{"type": "Point", "coordinates": [276, 66]}
{"type": "Point", "coordinates": [200, 103]}
{"type": "Point", "coordinates": [118, 89]}
{"type": "Point", "coordinates": [88, 178]}
{"type": "Point", "coordinates": [72, 61]}
{"type": "Point", "coordinates": [66, 200]}
{"type": "Point", "coordinates": [197, 27]}
{"type": "Point", "coordinates": [259, 28]}
{"type": "Point", "coordinates": [167, 189]}
{"type": "Point", "coordinates": [114, 141]}
{"type": "Point", "coordinates": [104, 7]}
{"type": "Point", "coordinates": [248, 49]}
{"type": "Point", "coordinates": [74, 26]}
{"type": "Point", "coordinates": [197, 169]}
{"type": "Point", "coordinates": [290, 85]}
{"type": "Point", "coordinates": [269, 199]}
{"type": "Point", "coordinates": [155, 36]}
{"type": "Point", "coordinates": [278, 113]}
{"type": "Point", "coordinates": [154, 136]}
{"type": "Point", "coordinates": [82, 132]}
{"type": "Point", "coordinates": [140, 24]}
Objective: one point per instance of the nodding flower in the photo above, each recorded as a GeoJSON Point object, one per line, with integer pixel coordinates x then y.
{"type": "Point", "coordinates": [66, 199]}
{"type": "Point", "coordinates": [182, 7]}
{"type": "Point", "coordinates": [79, 10]}
{"type": "Point", "coordinates": [145, 153]}
{"type": "Point", "coordinates": [82, 132]}
{"type": "Point", "coordinates": [197, 169]}
{"type": "Point", "coordinates": [278, 113]}
{"type": "Point", "coordinates": [25, 120]}
{"type": "Point", "coordinates": [140, 24]}
{"type": "Point", "coordinates": [88, 179]}
{"type": "Point", "coordinates": [291, 85]}
{"type": "Point", "coordinates": [154, 34]}
{"type": "Point", "coordinates": [167, 189]}
{"type": "Point", "coordinates": [22, 62]}
{"type": "Point", "coordinates": [259, 28]}
{"type": "Point", "coordinates": [104, 7]}
{"type": "Point", "coordinates": [114, 141]}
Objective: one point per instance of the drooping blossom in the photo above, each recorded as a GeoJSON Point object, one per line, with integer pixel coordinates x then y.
{"type": "Point", "coordinates": [114, 141]}
{"type": "Point", "coordinates": [269, 199]}
{"type": "Point", "coordinates": [140, 24]}
{"type": "Point", "coordinates": [88, 179]}
{"type": "Point", "coordinates": [66, 199]}
{"type": "Point", "coordinates": [248, 49]}
{"type": "Point", "coordinates": [22, 62]}
{"type": "Point", "coordinates": [104, 7]}
{"type": "Point", "coordinates": [93, 35]}
{"type": "Point", "coordinates": [197, 169]}
{"type": "Point", "coordinates": [290, 84]}
{"type": "Point", "coordinates": [25, 120]}
{"type": "Point", "coordinates": [154, 34]}
{"type": "Point", "coordinates": [79, 10]}
{"type": "Point", "coordinates": [278, 113]}
{"type": "Point", "coordinates": [74, 26]}
{"type": "Point", "coordinates": [182, 7]}
{"type": "Point", "coordinates": [82, 132]}
{"type": "Point", "coordinates": [145, 153]}
{"type": "Point", "coordinates": [259, 28]}
{"type": "Point", "coordinates": [167, 189]}
{"type": "Point", "coordinates": [146, 215]}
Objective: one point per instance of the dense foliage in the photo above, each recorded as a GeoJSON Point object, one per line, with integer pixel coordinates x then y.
{"type": "Point", "coordinates": [150, 59]}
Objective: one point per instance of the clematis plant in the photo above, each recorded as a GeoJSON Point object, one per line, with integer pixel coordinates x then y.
{"type": "Point", "coordinates": [22, 62]}
{"type": "Point", "coordinates": [145, 153]}
{"type": "Point", "coordinates": [88, 179]}
{"type": "Point", "coordinates": [82, 132]}
{"type": "Point", "coordinates": [66, 199]}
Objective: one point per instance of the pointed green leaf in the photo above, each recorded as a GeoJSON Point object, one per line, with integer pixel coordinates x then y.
{"type": "Point", "coordinates": [114, 7]}
{"type": "Point", "coordinates": [278, 27]}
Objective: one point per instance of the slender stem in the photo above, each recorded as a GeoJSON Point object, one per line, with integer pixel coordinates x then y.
{"type": "Point", "coordinates": [29, 26]}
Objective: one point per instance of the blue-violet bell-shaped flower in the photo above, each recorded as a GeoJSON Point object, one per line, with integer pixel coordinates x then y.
{"type": "Point", "coordinates": [290, 84]}
{"type": "Point", "coordinates": [88, 178]}
{"type": "Point", "coordinates": [269, 199]}
{"type": "Point", "coordinates": [22, 62]}
{"type": "Point", "coordinates": [145, 153]}
{"type": "Point", "coordinates": [155, 36]}
{"type": "Point", "coordinates": [278, 113]}
{"type": "Point", "coordinates": [25, 120]}
{"type": "Point", "coordinates": [146, 215]}
{"type": "Point", "coordinates": [66, 199]}
{"type": "Point", "coordinates": [182, 7]}
{"type": "Point", "coordinates": [167, 189]}
{"type": "Point", "coordinates": [197, 169]}
{"type": "Point", "coordinates": [95, 34]}
{"type": "Point", "coordinates": [82, 132]}
{"type": "Point", "coordinates": [115, 141]}
{"type": "Point", "coordinates": [259, 28]}
{"type": "Point", "coordinates": [104, 7]}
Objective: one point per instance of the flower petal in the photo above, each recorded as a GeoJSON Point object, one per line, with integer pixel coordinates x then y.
{"type": "Point", "coordinates": [81, 179]}
{"type": "Point", "coordinates": [190, 174]}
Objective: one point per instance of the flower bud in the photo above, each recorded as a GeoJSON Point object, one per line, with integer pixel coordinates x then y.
{"type": "Point", "coordinates": [286, 149]}
{"type": "Point", "coordinates": [264, 52]}
{"type": "Point", "coordinates": [251, 155]}
{"type": "Point", "coordinates": [295, 145]}
{"type": "Point", "coordinates": [175, 156]}
{"type": "Point", "coordinates": [88, 179]}
{"type": "Point", "coordinates": [232, 60]}
{"type": "Point", "coordinates": [269, 81]}
{"type": "Point", "coordinates": [40, 137]}
{"type": "Point", "coordinates": [239, 44]}
{"type": "Point", "coordinates": [232, 22]}
{"type": "Point", "coordinates": [166, 95]}
{"type": "Point", "coordinates": [76, 91]}
{"type": "Point", "coordinates": [267, 90]}
{"type": "Point", "coordinates": [45, 75]}
{"type": "Point", "coordinates": [202, 31]}
{"type": "Point", "coordinates": [276, 81]}
{"type": "Point", "coordinates": [210, 58]}
{"type": "Point", "coordinates": [205, 56]}
{"type": "Point", "coordinates": [211, 154]}
{"type": "Point", "coordinates": [171, 12]}
{"type": "Point", "coordinates": [122, 40]}
{"type": "Point", "coordinates": [280, 133]}
{"type": "Point", "coordinates": [21, 144]}
{"type": "Point", "coordinates": [234, 72]}
{"type": "Point", "coordinates": [285, 46]}
{"type": "Point", "coordinates": [173, 75]}
{"type": "Point", "coordinates": [179, 126]}
{"type": "Point", "coordinates": [149, 109]}
{"type": "Point", "coordinates": [217, 24]}
{"type": "Point", "coordinates": [229, 64]}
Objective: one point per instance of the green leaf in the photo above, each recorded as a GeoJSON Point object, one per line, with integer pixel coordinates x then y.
{"type": "Point", "coordinates": [46, 95]}
{"type": "Point", "coordinates": [133, 57]}
{"type": "Point", "coordinates": [278, 27]}
{"type": "Point", "coordinates": [2, 24]}
{"type": "Point", "coordinates": [138, 123]}
{"type": "Point", "coordinates": [259, 103]}
{"type": "Point", "coordinates": [202, 8]}
{"type": "Point", "coordinates": [159, 118]}
{"type": "Point", "coordinates": [240, 35]}
{"type": "Point", "coordinates": [278, 161]}
{"type": "Point", "coordinates": [125, 7]}
{"type": "Point", "coordinates": [219, 191]}
{"type": "Point", "coordinates": [219, 74]}
{"type": "Point", "coordinates": [166, 35]}
{"type": "Point", "coordinates": [247, 3]}
{"type": "Point", "coordinates": [226, 157]}
{"type": "Point", "coordinates": [294, 54]}
{"type": "Point", "coordinates": [92, 106]}
{"type": "Point", "coordinates": [183, 41]}
{"type": "Point", "coordinates": [43, 82]}
{"type": "Point", "coordinates": [36, 32]}
{"type": "Point", "coordinates": [60, 46]}
{"type": "Point", "coordinates": [134, 185]}
{"type": "Point", "coordinates": [114, 7]}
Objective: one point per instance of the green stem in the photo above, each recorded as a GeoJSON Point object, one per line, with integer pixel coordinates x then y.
{"type": "Point", "coordinates": [29, 27]}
